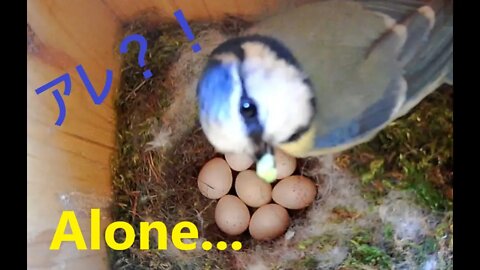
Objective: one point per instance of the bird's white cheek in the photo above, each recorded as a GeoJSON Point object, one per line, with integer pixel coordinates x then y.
{"type": "Point", "coordinates": [228, 138]}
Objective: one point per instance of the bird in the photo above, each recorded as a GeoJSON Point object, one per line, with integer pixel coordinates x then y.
{"type": "Point", "coordinates": [323, 77]}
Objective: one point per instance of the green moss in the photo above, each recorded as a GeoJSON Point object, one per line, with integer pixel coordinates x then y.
{"type": "Point", "coordinates": [364, 252]}
{"type": "Point", "coordinates": [444, 238]}
{"type": "Point", "coordinates": [320, 243]}
{"type": "Point", "coordinates": [388, 232]}
{"type": "Point", "coordinates": [415, 153]}
{"type": "Point", "coordinates": [308, 263]}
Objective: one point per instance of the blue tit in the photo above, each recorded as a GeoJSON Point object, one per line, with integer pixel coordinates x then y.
{"type": "Point", "coordinates": [323, 77]}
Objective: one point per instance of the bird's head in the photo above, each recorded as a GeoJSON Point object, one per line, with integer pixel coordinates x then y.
{"type": "Point", "coordinates": [254, 97]}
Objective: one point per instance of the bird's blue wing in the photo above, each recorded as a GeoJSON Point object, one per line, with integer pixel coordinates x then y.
{"type": "Point", "coordinates": [363, 127]}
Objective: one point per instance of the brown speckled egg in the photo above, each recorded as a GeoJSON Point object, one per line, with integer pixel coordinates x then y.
{"type": "Point", "coordinates": [252, 190]}
{"type": "Point", "coordinates": [232, 215]}
{"type": "Point", "coordinates": [239, 162]}
{"type": "Point", "coordinates": [269, 222]}
{"type": "Point", "coordinates": [215, 178]}
{"type": "Point", "coordinates": [285, 164]}
{"type": "Point", "coordinates": [294, 192]}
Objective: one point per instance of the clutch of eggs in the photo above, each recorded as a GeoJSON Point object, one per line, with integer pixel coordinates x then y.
{"type": "Point", "coordinates": [256, 206]}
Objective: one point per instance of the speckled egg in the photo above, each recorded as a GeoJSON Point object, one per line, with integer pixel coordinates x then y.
{"type": "Point", "coordinates": [294, 192]}
{"type": "Point", "coordinates": [232, 215]}
{"type": "Point", "coordinates": [252, 190]}
{"type": "Point", "coordinates": [269, 222]}
{"type": "Point", "coordinates": [215, 178]}
{"type": "Point", "coordinates": [284, 163]}
{"type": "Point", "coordinates": [238, 162]}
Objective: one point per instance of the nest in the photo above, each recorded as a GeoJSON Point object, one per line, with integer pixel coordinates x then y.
{"type": "Point", "coordinates": [383, 204]}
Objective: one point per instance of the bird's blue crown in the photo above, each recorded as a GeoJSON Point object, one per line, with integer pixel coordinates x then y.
{"type": "Point", "coordinates": [214, 90]}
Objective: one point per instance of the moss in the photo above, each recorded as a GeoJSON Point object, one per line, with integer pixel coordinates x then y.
{"type": "Point", "coordinates": [364, 252]}
{"type": "Point", "coordinates": [415, 152]}
{"type": "Point", "coordinates": [388, 232]}
{"type": "Point", "coordinates": [320, 243]}
{"type": "Point", "coordinates": [308, 263]}
{"type": "Point", "coordinates": [444, 237]}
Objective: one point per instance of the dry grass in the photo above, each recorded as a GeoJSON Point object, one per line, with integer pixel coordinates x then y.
{"type": "Point", "coordinates": [160, 146]}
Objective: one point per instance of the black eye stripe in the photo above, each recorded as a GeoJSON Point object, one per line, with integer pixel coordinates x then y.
{"type": "Point", "coordinates": [296, 135]}
{"type": "Point", "coordinates": [301, 130]}
{"type": "Point", "coordinates": [249, 113]}
{"type": "Point", "coordinates": [248, 108]}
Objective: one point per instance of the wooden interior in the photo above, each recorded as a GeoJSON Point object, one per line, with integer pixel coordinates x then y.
{"type": "Point", "coordinates": [69, 165]}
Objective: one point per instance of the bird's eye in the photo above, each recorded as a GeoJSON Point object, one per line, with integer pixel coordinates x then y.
{"type": "Point", "coordinates": [248, 109]}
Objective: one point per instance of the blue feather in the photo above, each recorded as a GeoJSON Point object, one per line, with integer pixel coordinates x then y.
{"type": "Point", "coordinates": [338, 136]}
{"type": "Point", "coordinates": [371, 118]}
{"type": "Point", "coordinates": [214, 91]}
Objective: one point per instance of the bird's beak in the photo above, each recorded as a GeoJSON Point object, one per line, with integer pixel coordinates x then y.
{"type": "Point", "coordinates": [265, 157]}
{"type": "Point", "coordinates": [266, 168]}
{"type": "Point", "coordinates": [263, 148]}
